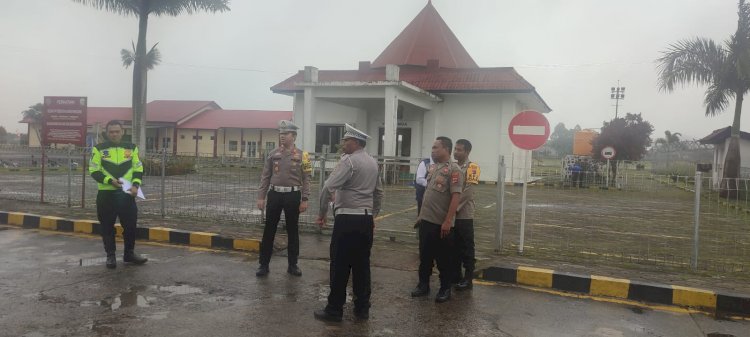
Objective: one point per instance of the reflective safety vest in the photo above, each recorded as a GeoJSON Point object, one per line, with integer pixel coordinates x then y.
{"type": "Point", "coordinates": [113, 161]}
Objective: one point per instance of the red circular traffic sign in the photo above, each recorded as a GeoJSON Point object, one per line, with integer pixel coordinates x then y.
{"type": "Point", "coordinates": [609, 152]}
{"type": "Point", "coordinates": [528, 130]}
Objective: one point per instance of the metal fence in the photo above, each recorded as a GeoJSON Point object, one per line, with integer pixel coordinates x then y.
{"type": "Point", "coordinates": [633, 216]}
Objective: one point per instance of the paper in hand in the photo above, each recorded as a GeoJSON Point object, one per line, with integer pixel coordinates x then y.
{"type": "Point", "coordinates": [126, 185]}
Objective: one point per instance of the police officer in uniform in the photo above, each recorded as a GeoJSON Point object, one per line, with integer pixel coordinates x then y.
{"type": "Point", "coordinates": [436, 240]}
{"type": "Point", "coordinates": [464, 225]}
{"type": "Point", "coordinates": [112, 163]}
{"type": "Point", "coordinates": [359, 194]}
{"type": "Point", "coordinates": [284, 186]}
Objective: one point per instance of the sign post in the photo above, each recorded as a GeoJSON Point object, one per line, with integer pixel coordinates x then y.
{"type": "Point", "coordinates": [63, 122]}
{"type": "Point", "coordinates": [608, 152]}
{"type": "Point", "coordinates": [528, 130]}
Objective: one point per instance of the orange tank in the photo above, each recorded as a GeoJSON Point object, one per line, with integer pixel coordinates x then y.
{"type": "Point", "coordinates": [582, 142]}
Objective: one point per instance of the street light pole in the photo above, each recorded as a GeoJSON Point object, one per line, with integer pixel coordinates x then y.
{"type": "Point", "coordinates": [617, 93]}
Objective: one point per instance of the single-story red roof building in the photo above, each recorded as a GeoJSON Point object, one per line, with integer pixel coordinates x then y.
{"type": "Point", "coordinates": [423, 85]}
{"type": "Point", "coordinates": [196, 128]}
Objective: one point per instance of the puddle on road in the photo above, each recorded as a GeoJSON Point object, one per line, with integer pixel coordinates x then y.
{"type": "Point", "coordinates": [180, 289]}
{"type": "Point", "coordinates": [137, 297]}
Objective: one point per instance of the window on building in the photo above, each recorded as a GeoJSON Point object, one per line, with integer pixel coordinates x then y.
{"type": "Point", "coordinates": [232, 145]}
{"type": "Point", "coordinates": [270, 146]}
{"type": "Point", "coordinates": [252, 149]}
{"type": "Point", "coordinates": [166, 142]}
{"type": "Point", "coordinates": [198, 137]}
{"type": "Point", "coordinates": [329, 136]}
{"type": "Point", "coordinates": [182, 136]}
{"type": "Point", "coordinates": [150, 143]}
{"type": "Point", "coordinates": [212, 137]}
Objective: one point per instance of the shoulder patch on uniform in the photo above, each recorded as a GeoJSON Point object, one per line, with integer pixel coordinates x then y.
{"type": "Point", "coordinates": [472, 174]}
{"type": "Point", "coordinates": [306, 164]}
{"type": "Point", "coordinates": [455, 176]}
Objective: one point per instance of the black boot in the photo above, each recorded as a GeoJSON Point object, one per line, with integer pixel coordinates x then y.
{"type": "Point", "coordinates": [443, 295]}
{"type": "Point", "coordinates": [131, 257]}
{"type": "Point", "coordinates": [111, 261]}
{"type": "Point", "coordinates": [294, 270]}
{"type": "Point", "coordinates": [262, 270]}
{"type": "Point", "coordinates": [420, 290]}
{"type": "Point", "coordinates": [326, 316]}
{"type": "Point", "coordinates": [362, 314]}
{"type": "Point", "coordinates": [465, 284]}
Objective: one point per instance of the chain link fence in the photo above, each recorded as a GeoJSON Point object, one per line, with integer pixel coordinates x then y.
{"type": "Point", "coordinates": [629, 215]}
{"type": "Point", "coordinates": [617, 213]}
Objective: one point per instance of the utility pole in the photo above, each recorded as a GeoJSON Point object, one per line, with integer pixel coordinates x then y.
{"type": "Point", "coordinates": [617, 93]}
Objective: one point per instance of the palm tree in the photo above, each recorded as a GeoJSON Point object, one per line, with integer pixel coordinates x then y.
{"type": "Point", "coordinates": [724, 69]}
{"type": "Point", "coordinates": [34, 113]}
{"type": "Point", "coordinates": [142, 9]}
{"type": "Point", "coordinates": [153, 57]}
{"type": "Point", "coordinates": [669, 138]}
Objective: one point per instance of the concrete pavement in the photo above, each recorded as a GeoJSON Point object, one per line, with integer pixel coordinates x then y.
{"type": "Point", "coordinates": [55, 284]}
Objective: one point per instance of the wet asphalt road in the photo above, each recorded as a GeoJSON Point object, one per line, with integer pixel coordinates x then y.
{"type": "Point", "coordinates": [57, 285]}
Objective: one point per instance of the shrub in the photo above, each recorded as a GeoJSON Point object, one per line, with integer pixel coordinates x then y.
{"type": "Point", "coordinates": [175, 166]}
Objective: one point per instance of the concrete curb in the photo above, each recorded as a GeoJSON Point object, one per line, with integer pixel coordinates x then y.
{"type": "Point", "coordinates": [721, 304]}
{"type": "Point", "coordinates": [156, 234]}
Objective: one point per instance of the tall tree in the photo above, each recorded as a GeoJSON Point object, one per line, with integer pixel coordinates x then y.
{"type": "Point", "coordinates": [142, 9]}
{"type": "Point", "coordinates": [153, 57]}
{"type": "Point", "coordinates": [669, 138]}
{"type": "Point", "coordinates": [724, 69]}
{"type": "Point", "coordinates": [3, 135]}
{"type": "Point", "coordinates": [561, 139]}
{"type": "Point", "coordinates": [630, 136]}
{"type": "Point", "coordinates": [34, 113]}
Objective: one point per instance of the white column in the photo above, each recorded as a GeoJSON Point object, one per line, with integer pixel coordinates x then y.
{"type": "Point", "coordinates": [391, 121]}
{"type": "Point", "coordinates": [308, 121]}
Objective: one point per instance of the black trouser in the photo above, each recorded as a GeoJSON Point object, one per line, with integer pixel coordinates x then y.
{"type": "Point", "coordinates": [275, 203]}
{"type": "Point", "coordinates": [109, 206]}
{"type": "Point", "coordinates": [576, 177]}
{"type": "Point", "coordinates": [433, 248]}
{"type": "Point", "coordinates": [464, 248]}
{"type": "Point", "coordinates": [351, 243]}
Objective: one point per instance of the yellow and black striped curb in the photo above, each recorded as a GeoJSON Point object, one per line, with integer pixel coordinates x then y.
{"type": "Point", "coordinates": [157, 234]}
{"type": "Point", "coordinates": [718, 303]}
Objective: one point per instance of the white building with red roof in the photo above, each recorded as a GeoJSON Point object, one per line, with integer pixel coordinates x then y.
{"type": "Point", "coordinates": [193, 128]}
{"type": "Point", "coordinates": [423, 85]}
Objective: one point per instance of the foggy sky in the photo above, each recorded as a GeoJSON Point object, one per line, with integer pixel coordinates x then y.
{"type": "Point", "coordinates": [572, 51]}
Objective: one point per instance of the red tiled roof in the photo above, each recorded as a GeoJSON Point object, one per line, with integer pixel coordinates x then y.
{"type": "Point", "coordinates": [174, 111]}
{"type": "Point", "coordinates": [504, 79]}
{"type": "Point", "coordinates": [246, 119]}
{"type": "Point", "coordinates": [157, 111]}
{"type": "Point", "coordinates": [102, 116]}
{"type": "Point", "coordinates": [427, 37]}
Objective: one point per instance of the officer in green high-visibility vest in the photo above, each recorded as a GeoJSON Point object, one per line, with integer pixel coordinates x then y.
{"type": "Point", "coordinates": [112, 164]}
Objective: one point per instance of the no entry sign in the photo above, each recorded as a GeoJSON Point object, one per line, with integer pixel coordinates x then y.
{"type": "Point", "coordinates": [529, 130]}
